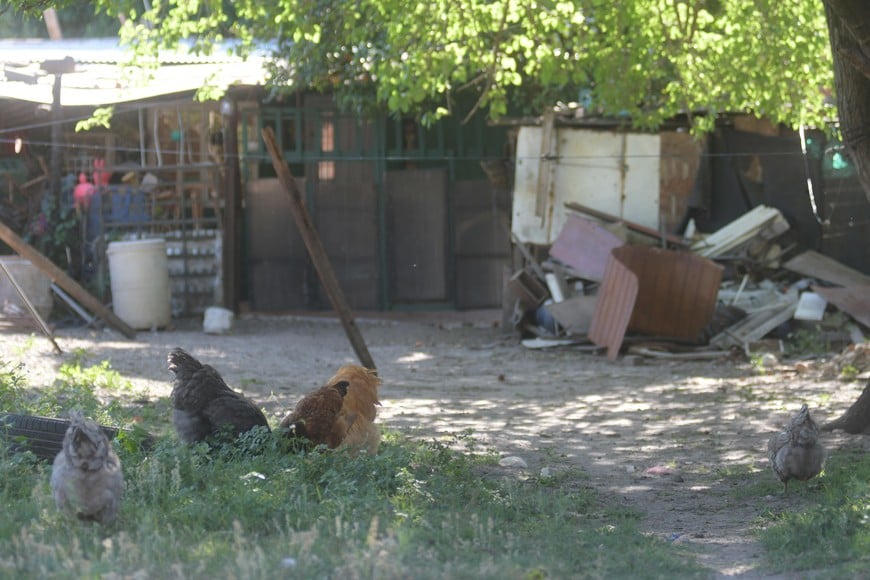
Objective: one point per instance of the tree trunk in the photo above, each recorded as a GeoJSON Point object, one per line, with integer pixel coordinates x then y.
{"type": "Point", "coordinates": [849, 30]}
{"type": "Point", "coordinates": [856, 419]}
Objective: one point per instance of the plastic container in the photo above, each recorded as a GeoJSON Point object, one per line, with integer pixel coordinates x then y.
{"type": "Point", "coordinates": [139, 273]}
{"type": "Point", "coordinates": [35, 284]}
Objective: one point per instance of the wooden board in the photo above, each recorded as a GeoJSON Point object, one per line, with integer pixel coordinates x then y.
{"type": "Point", "coordinates": [854, 301]}
{"type": "Point", "coordinates": [821, 267]}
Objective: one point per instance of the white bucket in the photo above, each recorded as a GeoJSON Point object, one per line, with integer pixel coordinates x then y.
{"type": "Point", "coordinates": [139, 272]}
{"type": "Point", "coordinates": [35, 284]}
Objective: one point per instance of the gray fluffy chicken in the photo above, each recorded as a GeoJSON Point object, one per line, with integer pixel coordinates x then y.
{"type": "Point", "coordinates": [796, 452]}
{"type": "Point", "coordinates": [86, 477]}
{"type": "Point", "coordinates": [202, 403]}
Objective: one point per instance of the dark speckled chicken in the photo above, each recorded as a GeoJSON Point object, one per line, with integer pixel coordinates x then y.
{"type": "Point", "coordinates": [796, 452]}
{"type": "Point", "coordinates": [202, 403]}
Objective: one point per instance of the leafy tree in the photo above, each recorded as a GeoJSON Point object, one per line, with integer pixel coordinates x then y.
{"type": "Point", "coordinates": [646, 59]}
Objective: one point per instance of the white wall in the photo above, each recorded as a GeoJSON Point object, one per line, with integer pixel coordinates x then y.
{"type": "Point", "coordinates": [617, 173]}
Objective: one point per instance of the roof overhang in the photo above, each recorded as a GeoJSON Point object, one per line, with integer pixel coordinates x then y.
{"type": "Point", "coordinates": [101, 77]}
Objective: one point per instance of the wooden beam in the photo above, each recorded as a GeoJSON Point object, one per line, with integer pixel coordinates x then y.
{"type": "Point", "coordinates": [316, 251]}
{"type": "Point", "coordinates": [545, 165]}
{"type": "Point", "coordinates": [641, 229]}
{"type": "Point", "coordinates": [61, 278]}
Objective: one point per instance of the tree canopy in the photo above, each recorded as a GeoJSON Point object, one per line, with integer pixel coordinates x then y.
{"type": "Point", "coordinates": [646, 59]}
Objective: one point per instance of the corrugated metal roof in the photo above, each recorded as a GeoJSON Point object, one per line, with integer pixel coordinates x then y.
{"type": "Point", "coordinates": [109, 51]}
{"type": "Point", "coordinates": [101, 77]}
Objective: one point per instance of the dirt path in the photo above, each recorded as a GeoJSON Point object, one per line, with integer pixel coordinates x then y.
{"type": "Point", "coordinates": [676, 441]}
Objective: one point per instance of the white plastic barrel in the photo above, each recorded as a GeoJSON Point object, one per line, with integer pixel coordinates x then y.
{"type": "Point", "coordinates": [139, 274]}
{"type": "Point", "coordinates": [33, 282]}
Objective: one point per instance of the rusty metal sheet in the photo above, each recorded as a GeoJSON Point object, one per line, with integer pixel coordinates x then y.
{"type": "Point", "coordinates": [654, 291]}
{"type": "Point", "coordinates": [585, 246]}
{"type": "Point", "coordinates": [616, 298]}
{"type": "Point", "coordinates": [854, 301]}
{"type": "Point", "coordinates": [678, 168]}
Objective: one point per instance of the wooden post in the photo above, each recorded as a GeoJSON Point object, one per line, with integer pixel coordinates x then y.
{"type": "Point", "coordinates": [61, 278]}
{"type": "Point", "coordinates": [316, 251]}
{"type": "Point", "coordinates": [232, 217]}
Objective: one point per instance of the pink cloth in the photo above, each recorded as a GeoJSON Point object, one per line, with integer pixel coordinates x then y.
{"type": "Point", "coordinates": [83, 192]}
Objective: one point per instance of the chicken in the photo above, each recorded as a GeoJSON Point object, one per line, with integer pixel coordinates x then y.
{"type": "Point", "coordinates": [360, 407]}
{"type": "Point", "coordinates": [317, 416]}
{"type": "Point", "coordinates": [86, 477]}
{"type": "Point", "coordinates": [796, 452]}
{"type": "Point", "coordinates": [202, 403]}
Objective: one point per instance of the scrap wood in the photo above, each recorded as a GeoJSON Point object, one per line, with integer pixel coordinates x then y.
{"type": "Point", "coordinates": [815, 265]}
{"type": "Point", "coordinates": [532, 262]}
{"type": "Point", "coordinates": [761, 222]}
{"type": "Point", "coordinates": [854, 301]}
{"type": "Point", "coordinates": [530, 291]}
{"type": "Point", "coordinates": [703, 354]}
{"type": "Point", "coordinates": [756, 325]}
{"type": "Point", "coordinates": [641, 229]}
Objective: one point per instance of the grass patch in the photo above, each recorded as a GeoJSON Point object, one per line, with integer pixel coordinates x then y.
{"type": "Point", "coordinates": [251, 509]}
{"type": "Point", "coordinates": [833, 534]}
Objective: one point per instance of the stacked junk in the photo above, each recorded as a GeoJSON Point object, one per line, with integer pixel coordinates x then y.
{"type": "Point", "coordinates": [622, 287]}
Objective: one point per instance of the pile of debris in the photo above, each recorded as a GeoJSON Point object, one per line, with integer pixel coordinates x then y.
{"type": "Point", "coordinates": [615, 284]}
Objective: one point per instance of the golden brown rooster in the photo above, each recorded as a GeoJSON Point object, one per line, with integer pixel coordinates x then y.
{"type": "Point", "coordinates": [796, 452]}
{"type": "Point", "coordinates": [340, 413]}
{"type": "Point", "coordinates": [360, 407]}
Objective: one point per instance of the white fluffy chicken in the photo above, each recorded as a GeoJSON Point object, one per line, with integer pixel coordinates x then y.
{"type": "Point", "coordinates": [796, 452]}
{"type": "Point", "coordinates": [86, 478]}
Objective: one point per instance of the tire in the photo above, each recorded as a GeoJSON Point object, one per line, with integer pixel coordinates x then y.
{"type": "Point", "coordinates": [43, 436]}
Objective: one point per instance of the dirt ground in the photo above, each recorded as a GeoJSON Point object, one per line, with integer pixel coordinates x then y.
{"type": "Point", "coordinates": [671, 439]}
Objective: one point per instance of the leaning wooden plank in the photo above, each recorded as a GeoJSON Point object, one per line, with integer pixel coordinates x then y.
{"type": "Point", "coordinates": [821, 267]}
{"type": "Point", "coordinates": [316, 251]}
{"type": "Point", "coordinates": [26, 300]}
{"type": "Point", "coordinates": [636, 227]}
{"type": "Point", "coordinates": [762, 221]}
{"type": "Point", "coordinates": [61, 278]}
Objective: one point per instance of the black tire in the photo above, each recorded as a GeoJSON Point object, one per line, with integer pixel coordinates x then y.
{"type": "Point", "coordinates": [43, 436]}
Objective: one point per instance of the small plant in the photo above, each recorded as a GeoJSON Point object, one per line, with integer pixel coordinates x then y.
{"type": "Point", "coordinates": [12, 385]}
{"type": "Point", "coordinates": [849, 372]}
{"type": "Point", "coordinates": [807, 342]}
